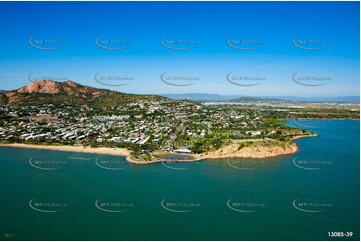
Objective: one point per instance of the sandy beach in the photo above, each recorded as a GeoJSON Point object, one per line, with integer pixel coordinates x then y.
{"type": "Point", "coordinates": [70, 148]}
{"type": "Point", "coordinates": [230, 151]}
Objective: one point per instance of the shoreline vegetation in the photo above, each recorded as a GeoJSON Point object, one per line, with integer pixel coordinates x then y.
{"type": "Point", "coordinates": [256, 149]}
{"type": "Point", "coordinates": [68, 116]}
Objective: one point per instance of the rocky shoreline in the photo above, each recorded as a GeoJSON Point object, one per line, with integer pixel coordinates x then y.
{"type": "Point", "coordinates": [256, 151]}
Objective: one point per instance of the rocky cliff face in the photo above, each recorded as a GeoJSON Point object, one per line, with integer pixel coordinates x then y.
{"type": "Point", "coordinates": [69, 93]}
{"type": "Point", "coordinates": [44, 86]}
{"type": "Point", "coordinates": [253, 151]}
{"type": "Point", "coordinates": [50, 87]}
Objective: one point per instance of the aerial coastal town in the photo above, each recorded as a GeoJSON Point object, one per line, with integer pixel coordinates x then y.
{"type": "Point", "coordinates": [147, 127]}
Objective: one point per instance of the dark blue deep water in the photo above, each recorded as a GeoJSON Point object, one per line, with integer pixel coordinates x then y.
{"type": "Point", "coordinates": [298, 197]}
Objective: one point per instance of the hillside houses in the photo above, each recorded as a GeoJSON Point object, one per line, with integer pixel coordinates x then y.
{"type": "Point", "coordinates": [156, 123]}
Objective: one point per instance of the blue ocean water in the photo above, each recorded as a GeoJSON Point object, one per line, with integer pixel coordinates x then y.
{"type": "Point", "coordinates": [54, 195]}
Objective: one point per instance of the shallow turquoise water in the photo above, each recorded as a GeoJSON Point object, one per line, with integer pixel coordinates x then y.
{"type": "Point", "coordinates": [297, 197]}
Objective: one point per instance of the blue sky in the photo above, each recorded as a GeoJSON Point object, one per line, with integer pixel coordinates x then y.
{"type": "Point", "coordinates": [273, 24]}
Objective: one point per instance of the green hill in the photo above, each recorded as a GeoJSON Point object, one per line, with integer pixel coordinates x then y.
{"type": "Point", "coordinates": [69, 93]}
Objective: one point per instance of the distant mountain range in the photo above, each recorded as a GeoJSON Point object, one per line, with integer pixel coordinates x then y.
{"type": "Point", "coordinates": [70, 93]}
{"type": "Point", "coordinates": [257, 99]}
{"type": "Point", "coordinates": [201, 97]}
{"type": "Point", "coordinates": [204, 97]}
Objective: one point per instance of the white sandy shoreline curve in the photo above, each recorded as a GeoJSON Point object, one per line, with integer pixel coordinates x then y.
{"type": "Point", "coordinates": [196, 157]}
{"type": "Point", "coordinates": [75, 148]}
